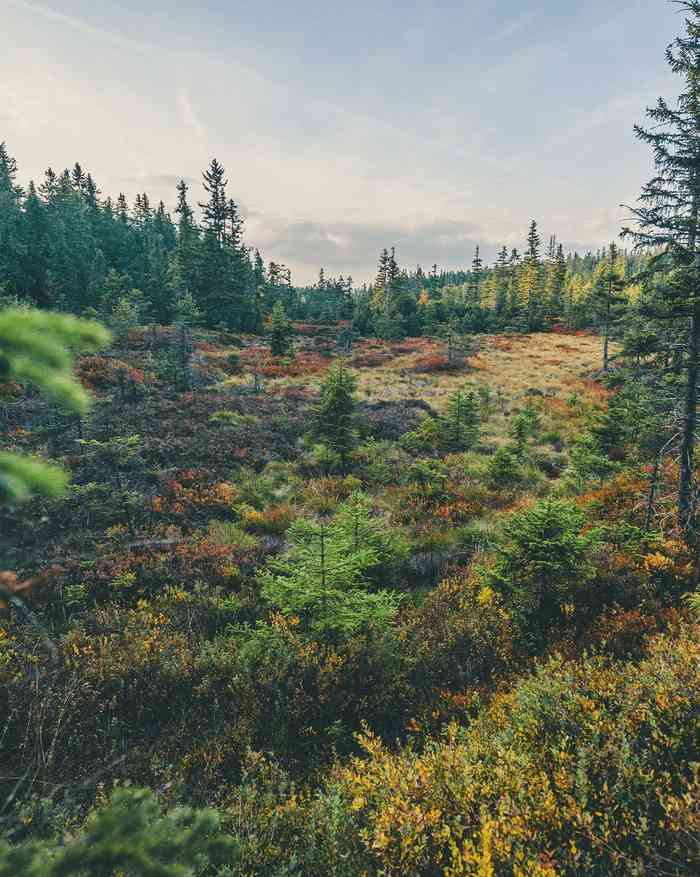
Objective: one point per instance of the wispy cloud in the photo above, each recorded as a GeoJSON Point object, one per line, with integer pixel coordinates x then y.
{"type": "Point", "coordinates": [189, 117]}
{"type": "Point", "coordinates": [78, 24]}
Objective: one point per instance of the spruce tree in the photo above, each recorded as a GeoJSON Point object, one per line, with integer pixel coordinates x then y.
{"type": "Point", "coordinates": [11, 244]}
{"type": "Point", "coordinates": [461, 422]}
{"type": "Point", "coordinates": [556, 284]}
{"type": "Point", "coordinates": [215, 208]}
{"type": "Point", "coordinates": [381, 281]}
{"type": "Point", "coordinates": [334, 414]}
{"type": "Point", "coordinates": [531, 280]}
{"type": "Point", "coordinates": [280, 331]}
{"type": "Point", "coordinates": [502, 280]}
{"type": "Point", "coordinates": [666, 218]}
{"type": "Point", "coordinates": [393, 271]}
{"type": "Point", "coordinates": [608, 298]}
{"type": "Point", "coordinates": [475, 280]}
{"type": "Point", "coordinates": [322, 579]}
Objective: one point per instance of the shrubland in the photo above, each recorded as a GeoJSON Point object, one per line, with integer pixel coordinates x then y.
{"type": "Point", "coordinates": [446, 649]}
{"type": "Point", "coordinates": [381, 581]}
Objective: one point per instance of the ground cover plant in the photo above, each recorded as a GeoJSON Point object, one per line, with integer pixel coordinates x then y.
{"type": "Point", "coordinates": [398, 580]}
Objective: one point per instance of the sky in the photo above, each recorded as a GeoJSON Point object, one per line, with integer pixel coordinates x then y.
{"type": "Point", "coordinates": [349, 125]}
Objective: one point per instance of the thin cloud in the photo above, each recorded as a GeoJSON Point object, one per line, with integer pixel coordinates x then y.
{"type": "Point", "coordinates": [189, 116]}
{"type": "Point", "coordinates": [80, 25]}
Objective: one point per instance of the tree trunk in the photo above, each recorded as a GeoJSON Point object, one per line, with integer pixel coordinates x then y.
{"type": "Point", "coordinates": [606, 338]}
{"type": "Point", "coordinates": [686, 511]}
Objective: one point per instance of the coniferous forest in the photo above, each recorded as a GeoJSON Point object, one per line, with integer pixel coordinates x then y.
{"type": "Point", "coordinates": [392, 578]}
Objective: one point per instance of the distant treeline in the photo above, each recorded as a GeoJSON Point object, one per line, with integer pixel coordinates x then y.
{"type": "Point", "coordinates": [66, 247]}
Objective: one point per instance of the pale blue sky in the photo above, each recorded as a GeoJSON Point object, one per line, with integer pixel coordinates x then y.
{"type": "Point", "coordinates": [349, 126]}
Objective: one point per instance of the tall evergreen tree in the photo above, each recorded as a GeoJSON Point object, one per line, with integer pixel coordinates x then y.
{"type": "Point", "coordinates": [475, 280]}
{"type": "Point", "coordinates": [502, 281]}
{"type": "Point", "coordinates": [608, 298]}
{"type": "Point", "coordinates": [666, 217]}
{"type": "Point", "coordinates": [215, 208]}
{"type": "Point", "coordinates": [11, 245]}
{"type": "Point", "coordinates": [531, 279]}
{"type": "Point", "coordinates": [556, 284]}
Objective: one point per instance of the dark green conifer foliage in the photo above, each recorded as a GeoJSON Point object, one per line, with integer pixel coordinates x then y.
{"type": "Point", "coordinates": [462, 420]}
{"type": "Point", "coordinates": [475, 280]}
{"type": "Point", "coordinates": [667, 218]}
{"type": "Point", "coordinates": [280, 331]}
{"type": "Point", "coordinates": [215, 208]}
{"type": "Point", "coordinates": [334, 415]}
{"type": "Point", "coordinates": [130, 835]}
{"type": "Point", "coordinates": [531, 279]}
{"type": "Point", "coordinates": [609, 300]}
{"type": "Point", "coordinates": [546, 557]}
{"type": "Point", "coordinates": [502, 284]}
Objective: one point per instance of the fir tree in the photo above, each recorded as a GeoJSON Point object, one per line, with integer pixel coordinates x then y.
{"type": "Point", "coordinates": [531, 279]}
{"type": "Point", "coordinates": [215, 208]}
{"type": "Point", "coordinates": [502, 281]}
{"type": "Point", "coordinates": [334, 414]}
{"type": "Point", "coordinates": [667, 217]}
{"type": "Point", "coordinates": [322, 579]}
{"type": "Point", "coordinates": [475, 280]}
{"type": "Point", "coordinates": [461, 422]}
{"type": "Point", "coordinates": [381, 281]}
{"type": "Point", "coordinates": [556, 283]}
{"type": "Point", "coordinates": [608, 298]}
{"type": "Point", "coordinates": [280, 331]}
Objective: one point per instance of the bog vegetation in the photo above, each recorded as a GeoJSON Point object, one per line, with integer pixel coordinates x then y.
{"type": "Point", "coordinates": [390, 580]}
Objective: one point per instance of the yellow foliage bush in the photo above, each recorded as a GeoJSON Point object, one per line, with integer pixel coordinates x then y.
{"type": "Point", "coordinates": [588, 767]}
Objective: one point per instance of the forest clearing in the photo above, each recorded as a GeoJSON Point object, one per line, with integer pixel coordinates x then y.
{"type": "Point", "coordinates": [304, 575]}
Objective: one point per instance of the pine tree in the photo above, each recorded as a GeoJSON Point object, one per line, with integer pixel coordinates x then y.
{"type": "Point", "coordinates": [185, 258]}
{"type": "Point", "coordinates": [380, 282]}
{"type": "Point", "coordinates": [215, 209]}
{"type": "Point", "coordinates": [355, 520]}
{"type": "Point", "coordinates": [258, 270]}
{"type": "Point", "coordinates": [77, 177]}
{"type": "Point", "coordinates": [334, 414]}
{"type": "Point", "coordinates": [11, 243]}
{"type": "Point", "coordinates": [461, 422]}
{"type": "Point", "coordinates": [667, 217]}
{"type": "Point", "coordinates": [122, 208]}
{"type": "Point", "coordinates": [47, 189]}
{"type": "Point", "coordinates": [475, 280]}
{"type": "Point", "coordinates": [531, 280]}
{"type": "Point", "coordinates": [608, 298]}
{"type": "Point", "coordinates": [556, 283]}
{"type": "Point", "coordinates": [280, 331]}
{"type": "Point", "coordinates": [129, 835]}
{"type": "Point", "coordinates": [545, 558]}
{"type": "Point", "coordinates": [392, 271]}
{"type": "Point", "coordinates": [35, 238]}
{"type": "Point", "coordinates": [322, 579]}
{"type": "Point", "coordinates": [502, 283]}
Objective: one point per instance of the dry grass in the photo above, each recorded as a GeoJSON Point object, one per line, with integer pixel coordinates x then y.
{"type": "Point", "coordinates": [515, 365]}
{"type": "Point", "coordinates": [515, 368]}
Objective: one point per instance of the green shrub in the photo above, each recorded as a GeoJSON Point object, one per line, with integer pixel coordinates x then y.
{"type": "Point", "coordinates": [544, 562]}
{"type": "Point", "coordinates": [503, 469]}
